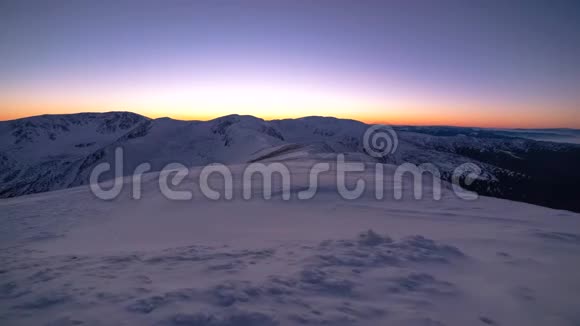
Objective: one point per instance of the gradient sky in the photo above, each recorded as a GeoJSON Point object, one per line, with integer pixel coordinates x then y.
{"type": "Point", "coordinates": [478, 63]}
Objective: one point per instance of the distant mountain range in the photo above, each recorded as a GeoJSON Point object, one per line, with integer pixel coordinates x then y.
{"type": "Point", "coordinates": [51, 152]}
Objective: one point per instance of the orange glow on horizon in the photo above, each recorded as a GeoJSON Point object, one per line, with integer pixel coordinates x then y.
{"type": "Point", "coordinates": [408, 116]}
{"type": "Point", "coordinates": [270, 101]}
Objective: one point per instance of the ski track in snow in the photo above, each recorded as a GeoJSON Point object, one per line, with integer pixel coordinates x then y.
{"type": "Point", "coordinates": [70, 259]}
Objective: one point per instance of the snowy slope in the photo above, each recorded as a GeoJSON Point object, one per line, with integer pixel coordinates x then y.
{"type": "Point", "coordinates": [55, 152]}
{"type": "Point", "coordinates": [68, 258]}
{"type": "Point", "coordinates": [43, 153]}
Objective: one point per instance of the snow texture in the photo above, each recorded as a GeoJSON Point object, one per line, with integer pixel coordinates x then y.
{"type": "Point", "coordinates": [68, 258]}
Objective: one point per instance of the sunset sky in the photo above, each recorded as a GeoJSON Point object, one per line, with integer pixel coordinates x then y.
{"type": "Point", "coordinates": [477, 63]}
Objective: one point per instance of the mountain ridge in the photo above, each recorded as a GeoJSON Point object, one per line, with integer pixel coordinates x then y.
{"type": "Point", "coordinates": [52, 152]}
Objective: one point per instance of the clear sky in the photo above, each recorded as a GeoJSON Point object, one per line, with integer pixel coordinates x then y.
{"type": "Point", "coordinates": [480, 63]}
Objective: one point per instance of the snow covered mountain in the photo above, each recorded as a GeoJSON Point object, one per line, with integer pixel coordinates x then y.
{"type": "Point", "coordinates": [44, 153]}
{"type": "Point", "coordinates": [53, 152]}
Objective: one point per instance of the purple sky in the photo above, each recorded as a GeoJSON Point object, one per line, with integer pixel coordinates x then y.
{"type": "Point", "coordinates": [491, 63]}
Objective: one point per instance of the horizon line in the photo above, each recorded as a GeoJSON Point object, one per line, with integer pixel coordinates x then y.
{"type": "Point", "coordinates": [289, 118]}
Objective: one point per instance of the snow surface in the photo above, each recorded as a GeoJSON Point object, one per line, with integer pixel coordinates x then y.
{"type": "Point", "coordinates": [54, 152]}
{"type": "Point", "coordinates": [68, 258]}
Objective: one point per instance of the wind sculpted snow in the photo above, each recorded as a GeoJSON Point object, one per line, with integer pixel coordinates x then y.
{"type": "Point", "coordinates": [68, 258]}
